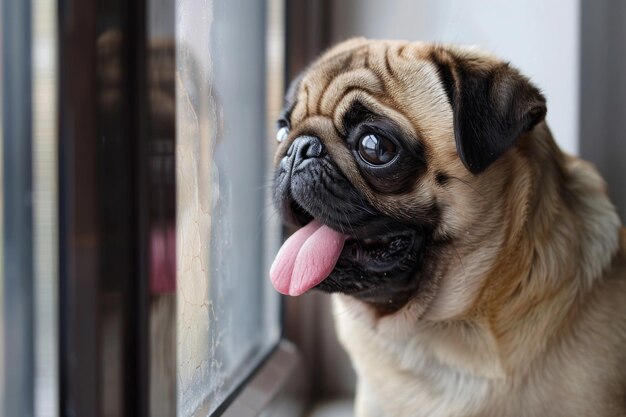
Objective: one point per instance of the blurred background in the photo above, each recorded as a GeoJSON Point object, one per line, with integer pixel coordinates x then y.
{"type": "Point", "coordinates": [137, 226]}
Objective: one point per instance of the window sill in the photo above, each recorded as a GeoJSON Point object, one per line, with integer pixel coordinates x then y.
{"type": "Point", "coordinates": [277, 389]}
{"type": "Point", "coordinates": [341, 407]}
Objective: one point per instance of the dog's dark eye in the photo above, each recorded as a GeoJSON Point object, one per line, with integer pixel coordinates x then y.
{"type": "Point", "coordinates": [377, 149]}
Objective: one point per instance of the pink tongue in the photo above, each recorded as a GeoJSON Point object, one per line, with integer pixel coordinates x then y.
{"type": "Point", "coordinates": [306, 258]}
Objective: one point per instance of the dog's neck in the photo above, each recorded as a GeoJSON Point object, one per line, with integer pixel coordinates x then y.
{"type": "Point", "coordinates": [551, 260]}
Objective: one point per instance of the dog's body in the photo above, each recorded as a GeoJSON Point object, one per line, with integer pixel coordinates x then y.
{"type": "Point", "coordinates": [550, 340]}
{"type": "Point", "coordinates": [507, 296]}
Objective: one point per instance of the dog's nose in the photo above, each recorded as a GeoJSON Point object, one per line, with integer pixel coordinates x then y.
{"type": "Point", "coordinates": [305, 147]}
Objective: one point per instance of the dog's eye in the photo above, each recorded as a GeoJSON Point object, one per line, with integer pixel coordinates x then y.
{"type": "Point", "coordinates": [282, 134]}
{"type": "Point", "coordinates": [376, 149]}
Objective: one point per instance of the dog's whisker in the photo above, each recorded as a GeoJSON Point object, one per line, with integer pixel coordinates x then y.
{"type": "Point", "coordinates": [345, 310]}
{"type": "Point", "coordinates": [263, 187]}
{"type": "Point", "coordinates": [264, 212]}
{"type": "Point", "coordinates": [469, 185]}
{"type": "Point", "coordinates": [458, 256]}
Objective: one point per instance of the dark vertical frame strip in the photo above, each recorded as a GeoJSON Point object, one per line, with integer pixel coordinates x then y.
{"type": "Point", "coordinates": [17, 208]}
{"type": "Point", "coordinates": [78, 228]}
{"type": "Point", "coordinates": [103, 203]}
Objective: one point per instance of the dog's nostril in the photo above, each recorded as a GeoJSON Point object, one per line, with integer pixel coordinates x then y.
{"type": "Point", "coordinates": [306, 147]}
{"type": "Point", "coordinates": [314, 148]}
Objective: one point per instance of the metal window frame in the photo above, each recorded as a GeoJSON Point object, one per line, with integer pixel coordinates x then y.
{"type": "Point", "coordinates": [29, 276]}
{"type": "Point", "coordinates": [18, 374]}
{"type": "Point", "coordinates": [278, 388]}
{"type": "Point", "coordinates": [45, 208]}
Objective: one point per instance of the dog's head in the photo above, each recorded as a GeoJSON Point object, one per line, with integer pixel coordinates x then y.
{"type": "Point", "coordinates": [393, 158]}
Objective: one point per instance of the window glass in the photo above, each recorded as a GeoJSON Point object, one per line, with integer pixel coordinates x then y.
{"type": "Point", "coordinates": [227, 316]}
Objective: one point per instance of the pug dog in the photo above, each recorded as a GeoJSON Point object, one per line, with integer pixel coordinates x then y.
{"type": "Point", "coordinates": [476, 269]}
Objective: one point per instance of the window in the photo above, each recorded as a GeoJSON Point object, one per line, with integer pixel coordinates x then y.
{"type": "Point", "coordinates": [136, 215]}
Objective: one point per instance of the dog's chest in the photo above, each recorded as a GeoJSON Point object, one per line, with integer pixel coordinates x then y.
{"type": "Point", "coordinates": [414, 373]}
{"type": "Point", "coordinates": [405, 376]}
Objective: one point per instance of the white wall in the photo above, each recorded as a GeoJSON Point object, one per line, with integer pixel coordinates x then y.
{"type": "Point", "coordinates": [539, 37]}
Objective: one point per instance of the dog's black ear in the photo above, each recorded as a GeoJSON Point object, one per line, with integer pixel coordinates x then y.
{"type": "Point", "coordinates": [493, 104]}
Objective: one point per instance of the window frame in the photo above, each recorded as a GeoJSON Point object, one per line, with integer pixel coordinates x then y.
{"type": "Point", "coordinates": [17, 222]}
{"type": "Point", "coordinates": [74, 230]}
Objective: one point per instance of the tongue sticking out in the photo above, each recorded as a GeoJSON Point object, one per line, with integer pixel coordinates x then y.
{"type": "Point", "coordinates": [306, 258]}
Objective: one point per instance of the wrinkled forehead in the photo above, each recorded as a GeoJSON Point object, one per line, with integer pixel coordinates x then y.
{"type": "Point", "coordinates": [393, 79]}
